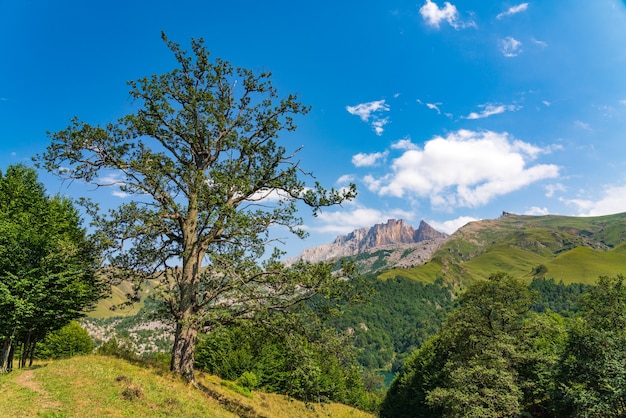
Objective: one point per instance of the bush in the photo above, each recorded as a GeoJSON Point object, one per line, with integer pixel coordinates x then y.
{"type": "Point", "coordinates": [248, 380]}
{"type": "Point", "coordinates": [122, 349]}
{"type": "Point", "coordinates": [71, 340]}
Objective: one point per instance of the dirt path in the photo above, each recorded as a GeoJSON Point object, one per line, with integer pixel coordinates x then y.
{"type": "Point", "coordinates": [28, 380]}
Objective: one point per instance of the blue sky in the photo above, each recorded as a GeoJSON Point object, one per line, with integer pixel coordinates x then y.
{"type": "Point", "coordinates": [441, 111]}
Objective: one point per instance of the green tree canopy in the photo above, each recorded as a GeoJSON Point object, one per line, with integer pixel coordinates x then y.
{"type": "Point", "coordinates": [486, 360]}
{"type": "Point", "coordinates": [592, 372]}
{"type": "Point", "coordinates": [209, 181]}
{"type": "Point", "coordinates": [47, 263]}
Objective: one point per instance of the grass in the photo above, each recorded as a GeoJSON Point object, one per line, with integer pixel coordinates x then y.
{"type": "Point", "coordinates": [585, 265]}
{"type": "Point", "coordinates": [117, 297]}
{"type": "Point", "coordinates": [99, 386]}
{"type": "Point", "coordinates": [426, 273]}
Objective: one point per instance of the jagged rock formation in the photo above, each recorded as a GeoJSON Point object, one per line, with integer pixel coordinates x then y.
{"type": "Point", "coordinates": [395, 234]}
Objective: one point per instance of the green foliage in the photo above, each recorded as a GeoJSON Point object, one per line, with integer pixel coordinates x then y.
{"type": "Point", "coordinates": [486, 359]}
{"type": "Point", "coordinates": [235, 387]}
{"type": "Point", "coordinates": [309, 363]}
{"type": "Point", "coordinates": [421, 372]}
{"type": "Point", "coordinates": [399, 315]}
{"type": "Point", "coordinates": [592, 371]}
{"type": "Point", "coordinates": [146, 335]}
{"type": "Point", "coordinates": [557, 297]}
{"type": "Point", "coordinates": [121, 348]}
{"type": "Point", "coordinates": [248, 380]}
{"type": "Point", "coordinates": [71, 340]}
{"type": "Point", "coordinates": [477, 389]}
{"type": "Point", "coordinates": [47, 264]}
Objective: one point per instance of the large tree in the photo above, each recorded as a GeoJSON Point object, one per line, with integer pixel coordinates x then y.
{"type": "Point", "coordinates": [47, 264]}
{"type": "Point", "coordinates": [210, 184]}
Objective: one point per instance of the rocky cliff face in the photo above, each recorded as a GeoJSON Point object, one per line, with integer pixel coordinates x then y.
{"type": "Point", "coordinates": [393, 233]}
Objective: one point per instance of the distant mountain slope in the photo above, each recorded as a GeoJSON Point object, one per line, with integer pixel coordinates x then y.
{"type": "Point", "coordinates": [572, 249]}
{"type": "Point", "coordinates": [390, 240]}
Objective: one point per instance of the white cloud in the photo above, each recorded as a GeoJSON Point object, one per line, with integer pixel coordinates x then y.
{"type": "Point", "coordinates": [464, 169]}
{"type": "Point", "coordinates": [268, 195]}
{"type": "Point", "coordinates": [378, 125]}
{"type": "Point", "coordinates": [13, 154]}
{"type": "Point", "coordinates": [583, 125]}
{"type": "Point", "coordinates": [451, 225]}
{"type": "Point", "coordinates": [537, 211]}
{"type": "Point", "coordinates": [513, 10]}
{"type": "Point", "coordinates": [510, 47]}
{"type": "Point", "coordinates": [346, 178]}
{"type": "Point", "coordinates": [368, 112]}
{"type": "Point", "coordinates": [546, 103]}
{"type": "Point", "coordinates": [433, 15]}
{"type": "Point", "coordinates": [540, 43]}
{"type": "Point", "coordinates": [365, 110]}
{"type": "Point", "coordinates": [110, 180]}
{"type": "Point", "coordinates": [368, 160]}
{"type": "Point", "coordinates": [434, 106]}
{"type": "Point", "coordinates": [622, 102]}
{"type": "Point", "coordinates": [553, 188]}
{"type": "Point", "coordinates": [612, 200]}
{"type": "Point", "coordinates": [119, 193]}
{"type": "Point", "coordinates": [343, 222]}
{"type": "Point", "coordinates": [491, 109]}
{"type": "Point", "coordinates": [404, 144]}
{"type": "Point", "coordinates": [113, 179]}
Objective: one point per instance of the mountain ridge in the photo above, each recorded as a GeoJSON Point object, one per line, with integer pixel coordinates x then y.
{"type": "Point", "coordinates": [390, 236]}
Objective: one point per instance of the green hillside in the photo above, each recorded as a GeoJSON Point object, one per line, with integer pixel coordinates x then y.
{"type": "Point", "coordinates": [113, 305]}
{"type": "Point", "coordinates": [98, 386]}
{"type": "Point", "coordinates": [572, 249]}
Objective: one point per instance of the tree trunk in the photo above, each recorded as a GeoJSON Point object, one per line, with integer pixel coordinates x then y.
{"type": "Point", "coordinates": [25, 349]}
{"type": "Point", "coordinates": [184, 351]}
{"type": "Point", "coordinates": [6, 348]}
{"type": "Point", "coordinates": [10, 359]}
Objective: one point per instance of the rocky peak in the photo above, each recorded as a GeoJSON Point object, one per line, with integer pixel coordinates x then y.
{"type": "Point", "coordinates": [394, 232]}
{"type": "Point", "coordinates": [425, 231]}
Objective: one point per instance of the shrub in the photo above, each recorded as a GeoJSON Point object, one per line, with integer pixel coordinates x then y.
{"type": "Point", "coordinates": [248, 380]}
{"type": "Point", "coordinates": [122, 349]}
{"type": "Point", "coordinates": [66, 342]}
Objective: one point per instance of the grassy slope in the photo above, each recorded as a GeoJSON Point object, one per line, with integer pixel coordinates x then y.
{"type": "Point", "coordinates": [574, 249]}
{"type": "Point", "coordinates": [95, 386]}
{"type": "Point", "coordinates": [117, 297]}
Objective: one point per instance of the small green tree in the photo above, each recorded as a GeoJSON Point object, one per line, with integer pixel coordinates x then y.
{"type": "Point", "coordinates": [69, 341]}
{"type": "Point", "coordinates": [210, 182]}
